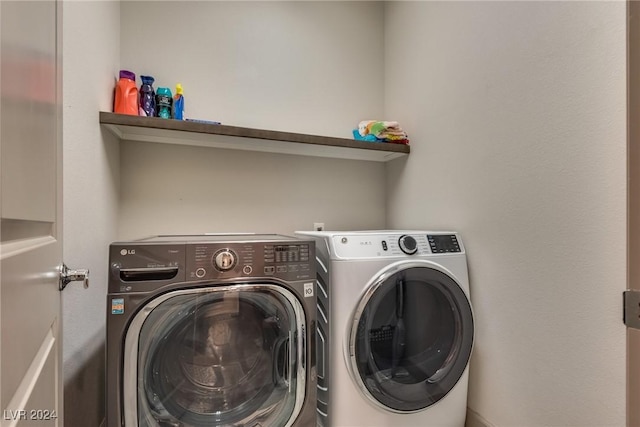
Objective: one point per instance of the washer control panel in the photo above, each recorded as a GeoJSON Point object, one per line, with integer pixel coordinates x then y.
{"type": "Point", "coordinates": [286, 261]}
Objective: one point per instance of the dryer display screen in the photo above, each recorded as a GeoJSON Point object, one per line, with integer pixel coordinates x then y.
{"type": "Point", "coordinates": [442, 243]}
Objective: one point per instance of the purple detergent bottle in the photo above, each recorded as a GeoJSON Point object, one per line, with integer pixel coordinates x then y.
{"type": "Point", "coordinates": [147, 97]}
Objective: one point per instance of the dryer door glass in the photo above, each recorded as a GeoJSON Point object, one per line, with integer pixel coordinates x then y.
{"type": "Point", "coordinates": [221, 357]}
{"type": "Point", "coordinates": [411, 339]}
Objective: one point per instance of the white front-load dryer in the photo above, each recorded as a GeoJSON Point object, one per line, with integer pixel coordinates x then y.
{"type": "Point", "coordinates": [395, 328]}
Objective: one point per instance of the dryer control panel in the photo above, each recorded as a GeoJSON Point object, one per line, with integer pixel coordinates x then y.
{"type": "Point", "coordinates": [407, 244]}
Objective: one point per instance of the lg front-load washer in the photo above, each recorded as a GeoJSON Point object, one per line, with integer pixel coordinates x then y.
{"type": "Point", "coordinates": [395, 328]}
{"type": "Point", "coordinates": [214, 330]}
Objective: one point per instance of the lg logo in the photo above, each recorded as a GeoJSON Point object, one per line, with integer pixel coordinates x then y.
{"type": "Point", "coordinates": [124, 252]}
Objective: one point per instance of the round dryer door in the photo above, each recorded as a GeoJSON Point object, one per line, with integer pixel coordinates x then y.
{"type": "Point", "coordinates": [228, 355]}
{"type": "Point", "coordinates": [411, 337]}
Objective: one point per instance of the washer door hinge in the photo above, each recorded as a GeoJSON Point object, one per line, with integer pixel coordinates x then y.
{"type": "Point", "coordinates": [631, 309]}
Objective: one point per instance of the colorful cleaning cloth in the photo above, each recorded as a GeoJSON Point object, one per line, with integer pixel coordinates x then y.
{"type": "Point", "coordinates": [385, 131]}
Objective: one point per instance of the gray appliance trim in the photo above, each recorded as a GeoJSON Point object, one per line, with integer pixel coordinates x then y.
{"type": "Point", "coordinates": [323, 331]}
{"type": "Point", "coordinates": [130, 374]}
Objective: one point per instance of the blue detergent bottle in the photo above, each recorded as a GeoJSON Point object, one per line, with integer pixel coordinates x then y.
{"type": "Point", "coordinates": [164, 102]}
{"type": "Point", "coordinates": [147, 97]}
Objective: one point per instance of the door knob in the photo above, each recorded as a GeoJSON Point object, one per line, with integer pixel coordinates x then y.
{"type": "Point", "coordinates": [67, 276]}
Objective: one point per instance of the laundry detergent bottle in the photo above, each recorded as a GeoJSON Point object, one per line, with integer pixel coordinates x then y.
{"type": "Point", "coordinates": [147, 97]}
{"type": "Point", "coordinates": [164, 102]}
{"type": "Point", "coordinates": [126, 96]}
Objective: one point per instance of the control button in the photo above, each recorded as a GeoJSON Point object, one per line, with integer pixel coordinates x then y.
{"type": "Point", "coordinates": [224, 260]}
{"type": "Point", "coordinates": [384, 245]}
{"type": "Point", "coordinates": [200, 272]}
{"type": "Point", "coordinates": [408, 244]}
{"type": "Point", "coordinates": [269, 270]}
{"type": "Point", "coordinates": [281, 269]}
{"type": "Point", "coordinates": [247, 269]}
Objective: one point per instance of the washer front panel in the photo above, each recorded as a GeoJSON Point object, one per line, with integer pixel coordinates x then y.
{"type": "Point", "coordinates": [411, 337]}
{"type": "Point", "coordinates": [227, 355]}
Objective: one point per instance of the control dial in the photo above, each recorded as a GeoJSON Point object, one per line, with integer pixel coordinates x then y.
{"type": "Point", "coordinates": [408, 244]}
{"type": "Point", "coordinates": [224, 260]}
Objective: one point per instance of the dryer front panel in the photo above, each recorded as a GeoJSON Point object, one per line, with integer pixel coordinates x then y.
{"type": "Point", "coordinates": [218, 356]}
{"type": "Point", "coordinates": [411, 337]}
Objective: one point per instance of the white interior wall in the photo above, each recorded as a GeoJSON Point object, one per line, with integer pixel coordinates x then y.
{"type": "Point", "coordinates": [291, 66]}
{"type": "Point", "coordinates": [91, 53]}
{"type": "Point", "coordinates": [176, 189]}
{"type": "Point", "coordinates": [516, 112]}
{"type": "Point", "coordinates": [311, 67]}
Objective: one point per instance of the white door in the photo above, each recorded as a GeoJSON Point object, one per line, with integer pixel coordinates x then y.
{"type": "Point", "coordinates": [30, 213]}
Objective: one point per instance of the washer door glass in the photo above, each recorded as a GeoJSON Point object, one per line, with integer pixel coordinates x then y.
{"type": "Point", "coordinates": [411, 338]}
{"type": "Point", "coordinates": [223, 357]}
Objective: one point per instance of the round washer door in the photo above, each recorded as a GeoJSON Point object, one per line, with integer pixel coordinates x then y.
{"type": "Point", "coordinates": [226, 355]}
{"type": "Point", "coordinates": [411, 336]}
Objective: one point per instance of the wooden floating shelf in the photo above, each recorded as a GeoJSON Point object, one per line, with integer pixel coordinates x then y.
{"type": "Point", "coordinates": [153, 129]}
